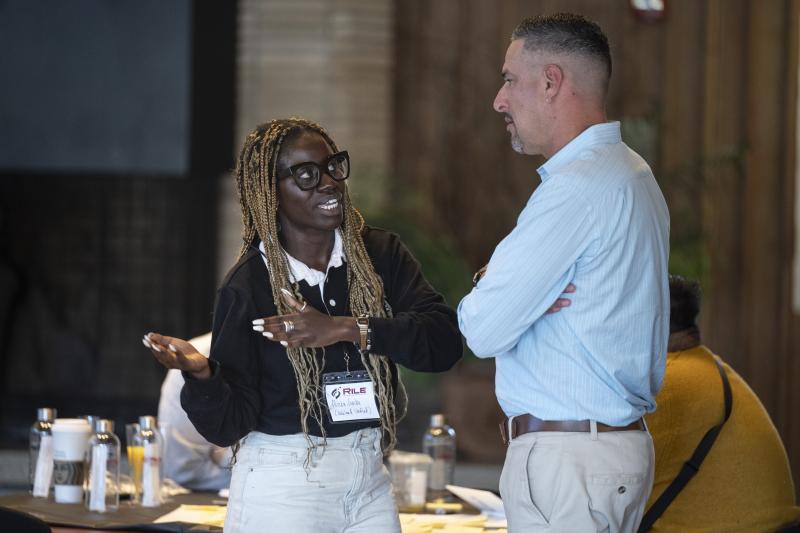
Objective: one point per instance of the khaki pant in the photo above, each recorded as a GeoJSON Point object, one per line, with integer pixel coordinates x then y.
{"type": "Point", "coordinates": [577, 482]}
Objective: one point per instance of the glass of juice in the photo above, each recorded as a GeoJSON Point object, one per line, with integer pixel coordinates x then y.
{"type": "Point", "coordinates": [135, 449]}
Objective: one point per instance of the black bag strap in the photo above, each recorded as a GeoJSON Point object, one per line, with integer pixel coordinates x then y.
{"type": "Point", "coordinates": [691, 466]}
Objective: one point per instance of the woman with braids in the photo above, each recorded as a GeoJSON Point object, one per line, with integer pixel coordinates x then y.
{"type": "Point", "coordinates": [309, 326]}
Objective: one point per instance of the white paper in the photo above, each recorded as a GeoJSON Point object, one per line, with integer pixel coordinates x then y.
{"type": "Point", "coordinates": [351, 401]}
{"type": "Point", "coordinates": [151, 480]}
{"type": "Point", "coordinates": [43, 473]}
{"type": "Point", "coordinates": [417, 483]}
{"type": "Point", "coordinates": [484, 501]}
{"type": "Point", "coordinates": [97, 479]}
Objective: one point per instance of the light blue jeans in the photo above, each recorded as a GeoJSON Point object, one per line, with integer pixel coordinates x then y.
{"type": "Point", "coordinates": [344, 488]}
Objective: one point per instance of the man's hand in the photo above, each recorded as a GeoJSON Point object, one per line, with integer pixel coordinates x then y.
{"type": "Point", "coordinates": [561, 303]}
{"type": "Point", "coordinates": [557, 306]}
{"type": "Point", "coordinates": [173, 352]}
{"type": "Point", "coordinates": [306, 327]}
{"type": "Point", "coordinates": [479, 274]}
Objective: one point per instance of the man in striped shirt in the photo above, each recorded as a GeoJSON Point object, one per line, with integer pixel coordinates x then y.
{"type": "Point", "coordinates": [576, 383]}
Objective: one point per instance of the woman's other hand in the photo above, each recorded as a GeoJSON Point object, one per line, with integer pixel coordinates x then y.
{"type": "Point", "coordinates": [173, 352]}
{"type": "Point", "coordinates": [306, 327]}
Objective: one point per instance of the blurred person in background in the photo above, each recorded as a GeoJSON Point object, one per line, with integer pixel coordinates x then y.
{"type": "Point", "coordinates": [190, 460]}
{"type": "Point", "coordinates": [744, 483]}
{"type": "Point", "coordinates": [318, 309]}
{"type": "Point", "coordinates": [574, 384]}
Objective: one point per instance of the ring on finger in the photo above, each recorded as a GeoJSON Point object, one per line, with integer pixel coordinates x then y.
{"type": "Point", "coordinates": [288, 325]}
{"type": "Point", "coordinates": [304, 307]}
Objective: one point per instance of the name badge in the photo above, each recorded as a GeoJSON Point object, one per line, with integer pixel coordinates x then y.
{"type": "Point", "coordinates": [350, 396]}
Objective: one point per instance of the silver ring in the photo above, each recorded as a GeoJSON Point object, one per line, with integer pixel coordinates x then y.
{"type": "Point", "coordinates": [304, 307]}
{"type": "Point", "coordinates": [288, 325]}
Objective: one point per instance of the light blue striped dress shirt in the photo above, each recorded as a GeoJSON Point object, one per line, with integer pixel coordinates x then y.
{"type": "Point", "coordinates": [598, 220]}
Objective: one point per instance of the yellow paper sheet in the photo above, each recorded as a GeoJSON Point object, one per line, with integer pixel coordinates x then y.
{"type": "Point", "coordinates": [209, 515]}
{"type": "Point", "coordinates": [454, 523]}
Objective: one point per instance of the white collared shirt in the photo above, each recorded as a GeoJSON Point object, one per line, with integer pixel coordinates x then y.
{"type": "Point", "coordinates": [299, 271]}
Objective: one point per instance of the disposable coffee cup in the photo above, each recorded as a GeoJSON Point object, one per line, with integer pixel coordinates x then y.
{"type": "Point", "coordinates": [409, 479]}
{"type": "Point", "coordinates": [70, 442]}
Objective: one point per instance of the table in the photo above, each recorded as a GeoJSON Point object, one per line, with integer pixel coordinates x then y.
{"type": "Point", "coordinates": [75, 518]}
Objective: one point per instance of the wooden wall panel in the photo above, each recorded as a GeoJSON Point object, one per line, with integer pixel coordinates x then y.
{"type": "Point", "coordinates": [681, 121]}
{"type": "Point", "coordinates": [789, 364]}
{"type": "Point", "coordinates": [762, 218]}
{"type": "Point", "coordinates": [723, 140]}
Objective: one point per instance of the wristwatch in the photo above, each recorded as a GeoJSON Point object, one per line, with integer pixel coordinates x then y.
{"type": "Point", "coordinates": [365, 333]}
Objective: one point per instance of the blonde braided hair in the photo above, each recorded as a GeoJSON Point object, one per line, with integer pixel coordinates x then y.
{"type": "Point", "coordinates": [256, 180]}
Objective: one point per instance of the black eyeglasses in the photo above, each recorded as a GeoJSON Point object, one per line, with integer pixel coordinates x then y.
{"type": "Point", "coordinates": [307, 175]}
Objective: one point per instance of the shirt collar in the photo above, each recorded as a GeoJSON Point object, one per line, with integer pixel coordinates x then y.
{"type": "Point", "coordinates": [299, 271]}
{"type": "Point", "coordinates": [605, 133]}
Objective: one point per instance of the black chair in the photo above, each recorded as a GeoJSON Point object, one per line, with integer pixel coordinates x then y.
{"type": "Point", "coordinates": [19, 522]}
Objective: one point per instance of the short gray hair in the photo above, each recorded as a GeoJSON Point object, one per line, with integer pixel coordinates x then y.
{"type": "Point", "coordinates": [565, 33]}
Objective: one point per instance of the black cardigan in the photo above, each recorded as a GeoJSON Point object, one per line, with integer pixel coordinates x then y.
{"type": "Point", "coordinates": [253, 386]}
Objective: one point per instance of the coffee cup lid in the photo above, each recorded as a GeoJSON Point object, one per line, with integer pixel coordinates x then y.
{"type": "Point", "coordinates": [72, 424]}
{"type": "Point", "coordinates": [408, 458]}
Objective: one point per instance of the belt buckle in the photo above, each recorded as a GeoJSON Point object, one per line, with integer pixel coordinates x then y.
{"type": "Point", "coordinates": [510, 429]}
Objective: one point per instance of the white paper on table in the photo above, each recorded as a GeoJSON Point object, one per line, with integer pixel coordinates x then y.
{"type": "Point", "coordinates": [43, 473]}
{"type": "Point", "coordinates": [151, 477]}
{"type": "Point", "coordinates": [97, 479]}
{"type": "Point", "coordinates": [212, 515]}
{"type": "Point", "coordinates": [484, 501]}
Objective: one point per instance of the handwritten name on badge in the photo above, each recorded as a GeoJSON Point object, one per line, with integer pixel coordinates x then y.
{"type": "Point", "coordinates": [351, 401]}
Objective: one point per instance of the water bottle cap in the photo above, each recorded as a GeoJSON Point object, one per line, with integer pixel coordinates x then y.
{"type": "Point", "coordinates": [147, 422]}
{"type": "Point", "coordinates": [105, 426]}
{"type": "Point", "coordinates": [92, 419]}
{"type": "Point", "coordinates": [46, 414]}
{"type": "Point", "coordinates": [437, 420]}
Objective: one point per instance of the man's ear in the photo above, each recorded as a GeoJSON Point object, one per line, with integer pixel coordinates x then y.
{"type": "Point", "coordinates": [553, 76]}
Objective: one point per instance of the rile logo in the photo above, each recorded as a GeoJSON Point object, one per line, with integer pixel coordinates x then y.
{"type": "Point", "coordinates": [347, 391]}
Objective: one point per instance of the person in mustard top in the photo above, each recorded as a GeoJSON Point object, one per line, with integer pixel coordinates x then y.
{"type": "Point", "coordinates": [744, 483]}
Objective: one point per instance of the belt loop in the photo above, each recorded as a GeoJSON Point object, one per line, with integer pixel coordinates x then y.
{"type": "Point", "coordinates": [593, 428]}
{"type": "Point", "coordinates": [510, 429]}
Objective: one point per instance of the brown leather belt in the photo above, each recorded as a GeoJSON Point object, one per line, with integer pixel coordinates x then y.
{"type": "Point", "coordinates": [522, 424]}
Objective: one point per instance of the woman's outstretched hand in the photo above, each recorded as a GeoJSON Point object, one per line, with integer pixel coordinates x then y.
{"type": "Point", "coordinates": [306, 327]}
{"type": "Point", "coordinates": [173, 352]}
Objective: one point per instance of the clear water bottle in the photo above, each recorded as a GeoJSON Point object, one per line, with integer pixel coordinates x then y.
{"type": "Point", "coordinates": [440, 443]}
{"type": "Point", "coordinates": [151, 462]}
{"type": "Point", "coordinates": [101, 485]}
{"type": "Point", "coordinates": [40, 457]}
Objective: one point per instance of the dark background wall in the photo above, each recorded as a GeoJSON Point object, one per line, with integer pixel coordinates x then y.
{"type": "Point", "coordinates": [115, 121]}
{"type": "Point", "coordinates": [96, 86]}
